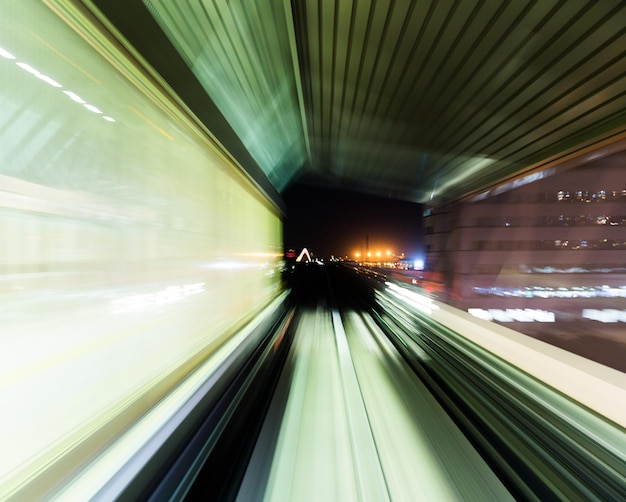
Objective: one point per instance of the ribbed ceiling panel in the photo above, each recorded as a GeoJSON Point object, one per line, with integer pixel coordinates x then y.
{"type": "Point", "coordinates": [424, 96]}
{"type": "Point", "coordinates": [241, 53]}
{"type": "Point", "coordinates": [407, 99]}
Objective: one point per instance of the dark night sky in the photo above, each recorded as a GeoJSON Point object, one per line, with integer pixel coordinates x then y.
{"type": "Point", "coordinates": [331, 222]}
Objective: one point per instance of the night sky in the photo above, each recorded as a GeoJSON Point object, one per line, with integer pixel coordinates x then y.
{"type": "Point", "coordinates": [331, 222]}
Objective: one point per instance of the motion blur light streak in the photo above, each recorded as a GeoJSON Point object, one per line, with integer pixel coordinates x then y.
{"type": "Point", "coordinates": [146, 301]}
{"type": "Point", "coordinates": [605, 315]}
{"type": "Point", "coordinates": [75, 97]}
{"type": "Point", "coordinates": [531, 406]}
{"type": "Point", "coordinates": [162, 131]}
{"type": "Point", "coordinates": [265, 116]}
{"type": "Point", "coordinates": [135, 258]}
{"type": "Point", "coordinates": [142, 440]}
{"type": "Point", "coordinates": [351, 421]}
{"type": "Point", "coordinates": [231, 265]}
{"type": "Point", "coordinates": [28, 68]}
{"type": "Point", "coordinates": [465, 170]}
{"type": "Point", "coordinates": [93, 108]}
{"type": "Point", "coordinates": [562, 292]}
{"type": "Point", "coordinates": [597, 387]}
{"type": "Point", "coordinates": [6, 54]}
{"type": "Point", "coordinates": [510, 315]}
{"type": "Point", "coordinates": [420, 302]}
{"type": "Point", "coordinates": [48, 80]}
{"type": "Point", "coordinates": [369, 475]}
{"type": "Point", "coordinates": [105, 231]}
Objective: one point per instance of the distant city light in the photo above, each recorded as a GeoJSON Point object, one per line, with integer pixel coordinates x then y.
{"type": "Point", "coordinates": [511, 315]}
{"type": "Point", "coordinates": [603, 291]}
{"type": "Point", "coordinates": [605, 315]}
{"type": "Point", "coordinates": [418, 264]}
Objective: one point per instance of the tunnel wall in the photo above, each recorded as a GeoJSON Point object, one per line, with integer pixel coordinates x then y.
{"type": "Point", "coordinates": [131, 243]}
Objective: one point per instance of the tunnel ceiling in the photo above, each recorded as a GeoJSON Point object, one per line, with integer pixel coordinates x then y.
{"type": "Point", "coordinates": [415, 100]}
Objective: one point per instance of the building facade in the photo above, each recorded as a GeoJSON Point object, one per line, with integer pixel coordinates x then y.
{"type": "Point", "coordinates": [550, 251]}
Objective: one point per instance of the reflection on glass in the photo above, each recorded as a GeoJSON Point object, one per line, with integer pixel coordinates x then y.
{"type": "Point", "coordinates": [548, 251]}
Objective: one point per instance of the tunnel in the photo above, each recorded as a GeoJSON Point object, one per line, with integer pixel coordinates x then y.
{"type": "Point", "coordinates": [158, 340]}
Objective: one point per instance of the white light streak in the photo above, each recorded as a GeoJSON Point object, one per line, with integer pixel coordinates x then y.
{"type": "Point", "coordinates": [93, 108]}
{"type": "Point", "coordinates": [38, 74]}
{"type": "Point", "coordinates": [27, 68]}
{"type": "Point", "coordinates": [48, 80]}
{"type": "Point", "coordinates": [511, 315]}
{"type": "Point", "coordinates": [478, 164]}
{"type": "Point", "coordinates": [6, 54]}
{"type": "Point", "coordinates": [420, 302]}
{"type": "Point", "coordinates": [147, 301]}
{"type": "Point", "coordinates": [230, 265]}
{"type": "Point", "coordinates": [75, 97]}
{"type": "Point", "coordinates": [605, 315]}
